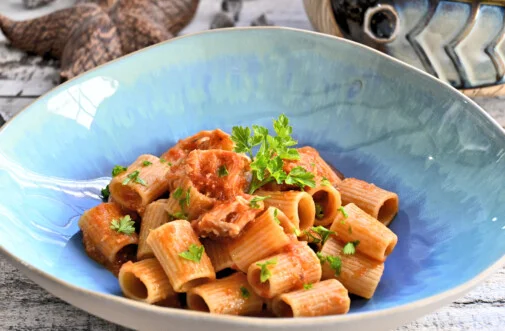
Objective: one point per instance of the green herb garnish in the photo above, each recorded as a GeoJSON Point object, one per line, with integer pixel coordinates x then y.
{"type": "Point", "coordinates": [267, 164]}
{"type": "Point", "coordinates": [275, 216]}
{"type": "Point", "coordinates": [318, 234]}
{"type": "Point", "coordinates": [319, 211]}
{"type": "Point", "coordinates": [194, 253]}
{"type": "Point", "coordinates": [334, 262]}
{"type": "Point", "coordinates": [222, 171]}
{"type": "Point", "coordinates": [307, 286]}
{"type": "Point", "coordinates": [265, 273]}
{"type": "Point", "coordinates": [254, 201]}
{"type": "Point", "coordinates": [350, 247]}
{"type": "Point", "coordinates": [342, 210]}
{"type": "Point", "coordinates": [325, 182]}
{"type": "Point", "coordinates": [135, 177]}
{"type": "Point", "coordinates": [123, 225]}
{"type": "Point", "coordinates": [105, 192]}
{"type": "Point", "coordinates": [177, 193]}
{"type": "Point", "coordinates": [146, 163]}
{"type": "Point", "coordinates": [244, 292]}
{"type": "Point", "coordinates": [117, 170]}
{"type": "Point", "coordinates": [178, 216]}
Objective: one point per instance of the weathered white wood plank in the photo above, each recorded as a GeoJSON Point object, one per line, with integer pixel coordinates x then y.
{"type": "Point", "coordinates": [9, 107]}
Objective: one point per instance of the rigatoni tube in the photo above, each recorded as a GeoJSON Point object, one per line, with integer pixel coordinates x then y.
{"type": "Point", "coordinates": [260, 238]}
{"type": "Point", "coordinates": [375, 201]}
{"type": "Point", "coordinates": [144, 181]}
{"type": "Point", "coordinates": [231, 295]}
{"type": "Point", "coordinates": [328, 297]}
{"type": "Point", "coordinates": [298, 206]}
{"type": "Point", "coordinates": [181, 255]}
{"type": "Point", "coordinates": [327, 201]}
{"type": "Point", "coordinates": [103, 244]}
{"type": "Point", "coordinates": [290, 270]}
{"type": "Point", "coordinates": [359, 273]}
{"type": "Point", "coordinates": [146, 281]}
{"type": "Point", "coordinates": [192, 202]}
{"type": "Point", "coordinates": [375, 239]}
{"type": "Point", "coordinates": [219, 253]}
{"type": "Point", "coordinates": [155, 215]}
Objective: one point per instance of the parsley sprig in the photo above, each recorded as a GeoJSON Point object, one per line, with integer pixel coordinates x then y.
{"type": "Point", "coordinates": [177, 216]}
{"type": "Point", "coordinates": [105, 192]}
{"type": "Point", "coordinates": [194, 253]}
{"type": "Point", "coordinates": [267, 164]}
{"type": "Point", "coordinates": [123, 225]}
{"type": "Point", "coordinates": [265, 272]}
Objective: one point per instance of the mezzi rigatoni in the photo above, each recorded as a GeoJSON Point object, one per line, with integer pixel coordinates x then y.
{"type": "Point", "coordinates": [327, 201]}
{"type": "Point", "coordinates": [144, 181]}
{"type": "Point", "coordinates": [377, 202]}
{"type": "Point", "coordinates": [289, 270]}
{"type": "Point", "coordinates": [359, 273]}
{"type": "Point", "coordinates": [104, 244]}
{"type": "Point", "coordinates": [260, 238]}
{"type": "Point", "coordinates": [375, 239]}
{"type": "Point", "coordinates": [146, 281]}
{"type": "Point", "coordinates": [155, 215]}
{"type": "Point", "coordinates": [231, 295]}
{"type": "Point", "coordinates": [328, 297]}
{"type": "Point", "coordinates": [298, 206]}
{"type": "Point", "coordinates": [219, 253]}
{"type": "Point", "coordinates": [169, 242]}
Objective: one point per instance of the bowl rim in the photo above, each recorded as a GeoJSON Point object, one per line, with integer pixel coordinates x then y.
{"type": "Point", "coordinates": [261, 321]}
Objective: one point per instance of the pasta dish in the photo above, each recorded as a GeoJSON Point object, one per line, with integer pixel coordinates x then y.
{"type": "Point", "coordinates": [242, 224]}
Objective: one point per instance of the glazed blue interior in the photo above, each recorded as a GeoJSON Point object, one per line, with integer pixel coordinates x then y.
{"type": "Point", "coordinates": [370, 117]}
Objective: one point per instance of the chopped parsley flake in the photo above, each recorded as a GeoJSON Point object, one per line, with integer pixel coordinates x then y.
{"type": "Point", "coordinates": [178, 216]}
{"type": "Point", "coordinates": [265, 272]}
{"type": "Point", "coordinates": [319, 211]}
{"type": "Point", "coordinates": [350, 247]}
{"type": "Point", "coordinates": [194, 253]}
{"type": "Point", "coordinates": [275, 216]}
{"type": "Point", "coordinates": [146, 163]}
{"type": "Point", "coordinates": [254, 201]}
{"type": "Point", "coordinates": [325, 182]}
{"type": "Point", "coordinates": [222, 171]}
{"type": "Point", "coordinates": [105, 192]}
{"type": "Point", "coordinates": [135, 177]}
{"type": "Point", "coordinates": [307, 286]}
{"type": "Point", "coordinates": [117, 170]}
{"type": "Point", "coordinates": [318, 234]}
{"type": "Point", "coordinates": [244, 292]}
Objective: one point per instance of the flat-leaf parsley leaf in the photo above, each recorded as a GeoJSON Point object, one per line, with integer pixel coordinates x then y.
{"type": "Point", "coordinates": [194, 253]}
{"type": "Point", "coordinates": [123, 225]}
{"type": "Point", "coordinates": [265, 272]}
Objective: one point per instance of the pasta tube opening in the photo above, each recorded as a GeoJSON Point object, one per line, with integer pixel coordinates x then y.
{"type": "Point", "coordinates": [305, 214]}
{"type": "Point", "coordinates": [283, 309]}
{"type": "Point", "coordinates": [298, 206]}
{"type": "Point", "coordinates": [133, 287]}
{"type": "Point", "coordinates": [327, 201]}
{"type": "Point", "coordinates": [196, 302]}
{"type": "Point", "coordinates": [388, 210]}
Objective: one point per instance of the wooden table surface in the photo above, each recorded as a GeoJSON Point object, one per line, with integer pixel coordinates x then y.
{"type": "Point", "coordinates": [26, 306]}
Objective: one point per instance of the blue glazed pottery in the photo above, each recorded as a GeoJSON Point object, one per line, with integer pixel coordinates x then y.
{"type": "Point", "coordinates": [371, 117]}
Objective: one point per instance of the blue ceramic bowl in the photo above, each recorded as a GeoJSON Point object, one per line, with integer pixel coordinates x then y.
{"type": "Point", "coordinates": [370, 116]}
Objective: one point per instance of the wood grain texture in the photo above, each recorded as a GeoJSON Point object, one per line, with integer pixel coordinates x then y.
{"type": "Point", "coordinates": [24, 77]}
